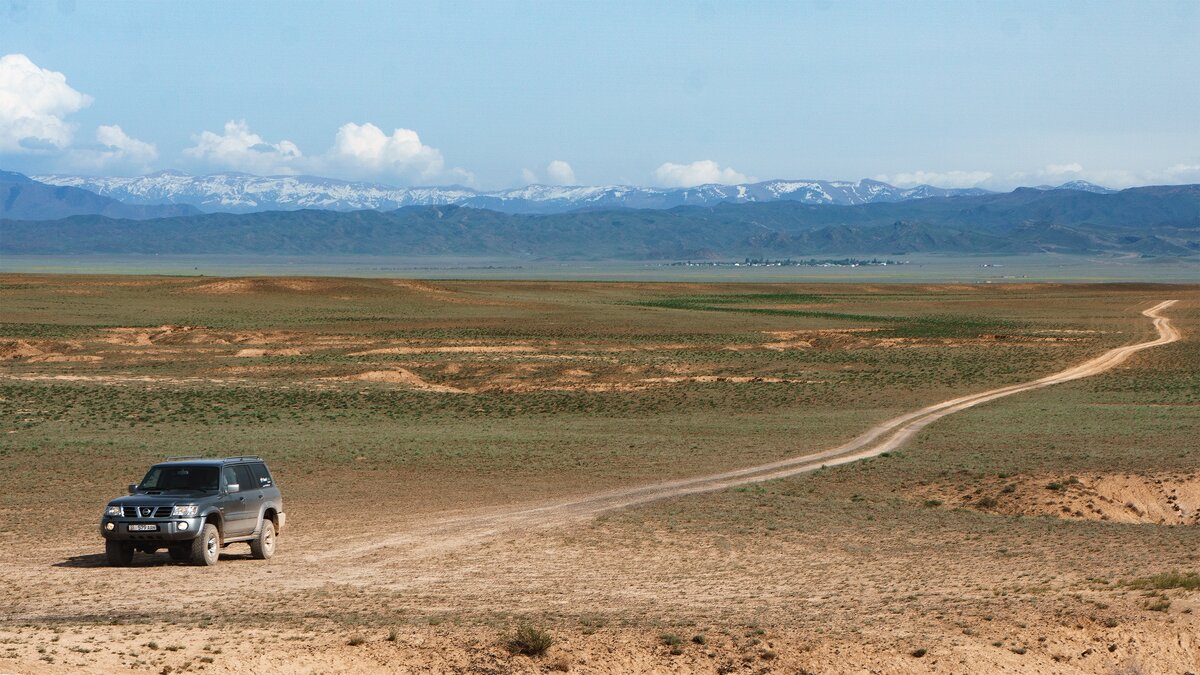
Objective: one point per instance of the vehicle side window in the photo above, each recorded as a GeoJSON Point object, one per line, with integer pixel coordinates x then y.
{"type": "Point", "coordinates": [245, 479]}
{"type": "Point", "coordinates": [262, 476]}
{"type": "Point", "coordinates": [228, 476]}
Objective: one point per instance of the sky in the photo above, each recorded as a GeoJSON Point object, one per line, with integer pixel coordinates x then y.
{"type": "Point", "coordinates": [499, 94]}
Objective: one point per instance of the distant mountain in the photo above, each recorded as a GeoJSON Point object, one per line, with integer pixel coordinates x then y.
{"type": "Point", "coordinates": [1080, 185]}
{"type": "Point", "coordinates": [26, 199]}
{"type": "Point", "coordinates": [1151, 221]}
{"type": "Point", "coordinates": [244, 193]}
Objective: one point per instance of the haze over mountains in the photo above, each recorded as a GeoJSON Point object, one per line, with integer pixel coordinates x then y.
{"type": "Point", "coordinates": [245, 193]}
{"type": "Point", "coordinates": [23, 198]}
{"type": "Point", "coordinates": [1080, 219]}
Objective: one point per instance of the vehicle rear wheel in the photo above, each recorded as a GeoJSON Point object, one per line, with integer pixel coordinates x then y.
{"type": "Point", "coordinates": [263, 546]}
{"type": "Point", "coordinates": [206, 548]}
{"type": "Point", "coordinates": [180, 552]}
{"type": "Point", "coordinates": [119, 553]}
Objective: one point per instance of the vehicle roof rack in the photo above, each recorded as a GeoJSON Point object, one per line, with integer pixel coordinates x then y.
{"type": "Point", "coordinates": [174, 459]}
{"type": "Point", "coordinates": [244, 457]}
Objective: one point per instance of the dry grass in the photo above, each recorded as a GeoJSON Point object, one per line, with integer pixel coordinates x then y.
{"type": "Point", "coordinates": [521, 392]}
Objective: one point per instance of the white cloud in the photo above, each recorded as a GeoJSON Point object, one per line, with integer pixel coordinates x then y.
{"type": "Point", "coordinates": [1121, 178]}
{"type": "Point", "coordinates": [366, 147]}
{"type": "Point", "coordinates": [945, 179]}
{"type": "Point", "coordinates": [33, 104]}
{"type": "Point", "coordinates": [560, 173]}
{"type": "Point", "coordinates": [114, 147]}
{"type": "Point", "coordinates": [359, 151]}
{"type": "Point", "coordinates": [1072, 169]}
{"type": "Point", "coordinates": [701, 172]}
{"type": "Point", "coordinates": [528, 177]}
{"type": "Point", "coordinates": [1183, 173]}
{"type": "Point", "coordinates": [240, 149]}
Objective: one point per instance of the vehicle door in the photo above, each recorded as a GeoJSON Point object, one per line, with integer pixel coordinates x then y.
{"type": "Point", "coordinates": [240, 514]}
{"type": "Point", "coordinates": [268, 493]}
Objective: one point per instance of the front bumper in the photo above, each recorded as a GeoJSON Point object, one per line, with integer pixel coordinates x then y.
{"type": "Point", "coordinates": [169, 529]}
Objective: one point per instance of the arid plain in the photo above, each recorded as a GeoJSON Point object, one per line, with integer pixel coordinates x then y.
{"type": "Point", "coordinates": [431, 438]}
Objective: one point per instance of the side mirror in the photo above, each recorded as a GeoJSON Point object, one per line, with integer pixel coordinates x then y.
{"type": "Point", "coordinates": [232, 488]}
{"type": "Point", "coordinates": [133, 488]}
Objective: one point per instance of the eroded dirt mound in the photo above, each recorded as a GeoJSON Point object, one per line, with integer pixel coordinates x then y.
{"type": "Point", "coordinates": [397, 376]}
{"type": "Point", "coordinates": [1165, 499]}
{"type": "Point", "coordinates": [20, 349]}
{"type": "Point", "coordinates": [245, 286]}
{"type": "Point", "coordinates": [190, 335]}
{"type": "Point", "coordinates": [868, 338]}
{"type": "Point", "coordinates": [255, 352]}
{"type": "Point", "coordinates": [35, 351]}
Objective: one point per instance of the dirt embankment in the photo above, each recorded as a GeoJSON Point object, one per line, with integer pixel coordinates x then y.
{"type": "Point", "coordinates": [1169, 499]}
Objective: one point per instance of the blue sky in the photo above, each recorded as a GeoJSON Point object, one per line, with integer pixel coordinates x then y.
{"type": "Point", "coordinates": [497, 94]}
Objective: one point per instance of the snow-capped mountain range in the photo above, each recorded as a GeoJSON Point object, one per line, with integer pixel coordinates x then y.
{"type": "Point", "coordinates": [242, 193]}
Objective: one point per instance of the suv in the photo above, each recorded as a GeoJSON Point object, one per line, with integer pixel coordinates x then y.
{"type": "Point", "coordinates": [194, 507]}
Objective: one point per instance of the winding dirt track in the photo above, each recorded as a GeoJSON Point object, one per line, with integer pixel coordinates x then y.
{"type": "Point", "coordinates": [449, 533]}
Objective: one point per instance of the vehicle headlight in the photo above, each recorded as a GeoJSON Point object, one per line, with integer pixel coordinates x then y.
{"type": "Point", "coordinates": [185, 511]}
{"type": "Point", "coordinates": [112, 511]}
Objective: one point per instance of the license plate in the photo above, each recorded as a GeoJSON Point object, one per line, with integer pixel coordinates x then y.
{"type": "Point", "coordinates": [143, 528]}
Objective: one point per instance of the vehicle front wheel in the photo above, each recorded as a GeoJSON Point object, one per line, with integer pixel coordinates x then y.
{"type": "Point", "coordinates": [263, 546]}
{"type": "Point", "coordinates": [119, 553]}
{"type": "Point", "coordinates": [207, 547]}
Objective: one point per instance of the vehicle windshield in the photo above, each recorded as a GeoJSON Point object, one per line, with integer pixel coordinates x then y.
{"type": "Point", "coordinates": [180, 477]}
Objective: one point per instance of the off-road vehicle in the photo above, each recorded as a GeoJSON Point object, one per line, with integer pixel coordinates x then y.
{"type": "Point", "coordinates": [194, 507]}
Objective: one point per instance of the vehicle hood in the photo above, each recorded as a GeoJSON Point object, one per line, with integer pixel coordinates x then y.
{"type": "Point", "coordinates": [166, 499]}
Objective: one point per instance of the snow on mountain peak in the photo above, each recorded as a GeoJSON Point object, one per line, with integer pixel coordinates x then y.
{"type": "Point", "coordinates": [239, 192]}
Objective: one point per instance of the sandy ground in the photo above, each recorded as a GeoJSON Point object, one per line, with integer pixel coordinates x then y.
{"type": "Point", "coordinates": [66, 612]}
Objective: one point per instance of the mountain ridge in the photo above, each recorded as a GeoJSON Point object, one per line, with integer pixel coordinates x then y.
{"type": "Point", "coordinates": [1152, 221]}
{"type": "Point", "coordinates": [24, 198]}
{"type": "Point", "coordinates": [233, 192]}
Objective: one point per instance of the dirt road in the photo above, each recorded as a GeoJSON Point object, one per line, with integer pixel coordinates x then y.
{"type": "Point", "coordinates": [449, 533]}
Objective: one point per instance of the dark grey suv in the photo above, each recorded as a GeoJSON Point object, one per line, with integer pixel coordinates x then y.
{"type": "Point", "coordinates": [194, 507]}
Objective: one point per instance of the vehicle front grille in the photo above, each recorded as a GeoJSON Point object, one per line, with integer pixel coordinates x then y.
{"type": "Point", "coordinates": [155, 511]}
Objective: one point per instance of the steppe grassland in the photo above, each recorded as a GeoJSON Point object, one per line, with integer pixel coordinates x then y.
{"type": "Point", "coordinates": [516, 392]}
{"type": "Point", "coordinates": [601, 387]}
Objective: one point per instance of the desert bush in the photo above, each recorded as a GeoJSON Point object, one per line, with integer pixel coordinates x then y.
{"type": "Point", "coordinates": [529, 640]}
{"type": "Point", "coordinates": [1166, 580]}
{"type": "Point", "coordinates": [670, 639]}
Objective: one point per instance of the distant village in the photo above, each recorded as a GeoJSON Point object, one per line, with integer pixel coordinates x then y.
{"type": "Point", "coordinates": [789, 262]}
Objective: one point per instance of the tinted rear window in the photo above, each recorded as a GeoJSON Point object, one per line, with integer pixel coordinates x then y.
{"type": "Point", "coordinates": [245, 479]}
{"type": "Point", "coordinates": [261, 475]}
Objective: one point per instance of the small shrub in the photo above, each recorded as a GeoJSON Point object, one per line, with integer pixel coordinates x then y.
{"type": "Point", "coordinates": [1160, 605]}
{"type": "Point", "coordinates": [671, 639]}
{"type": "Point", "coordinates": [529, 640]}
{"type": "Point", "coordinates": [918, 653]}
{"type": "Point", "coordinates": [356, 641]}
{"type": "Point", "coordinates": [1111, 622]}
{"type": "Point", "coordinates": [1167, 580]}
{"type": "Point", "coordinates": [699, 639]}
{"type": "Point", "coordinates": [931, 503]}
{"type": "Point", "coordinates": [986, 503]}
{"type": "Point", "coordinates": [1009, 489]}
{"type": "Point", "coordinates": [391, 636]}
{"type": "Point", "coordinates": [1056, 486]}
